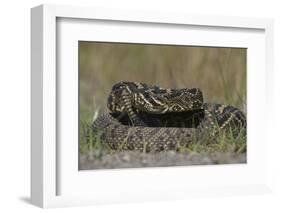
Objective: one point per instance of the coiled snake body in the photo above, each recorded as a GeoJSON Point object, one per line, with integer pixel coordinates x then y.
{"type": "Point", "coordinates": [150, 118]}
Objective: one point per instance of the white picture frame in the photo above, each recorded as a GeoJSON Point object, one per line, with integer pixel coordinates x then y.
{"type": "Point", "coordinates": [48, 166]}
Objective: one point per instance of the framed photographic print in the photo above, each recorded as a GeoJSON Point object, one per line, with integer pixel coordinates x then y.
{"type": "Point", "coordinates": [148, 105]}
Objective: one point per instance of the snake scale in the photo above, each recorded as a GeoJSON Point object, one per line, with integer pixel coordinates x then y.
{"type": "Point", "coordinates": [150, 118]}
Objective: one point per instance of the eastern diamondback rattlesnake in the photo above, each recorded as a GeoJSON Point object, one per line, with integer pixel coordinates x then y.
{"type": "Point", "coordinates": [150, 118]}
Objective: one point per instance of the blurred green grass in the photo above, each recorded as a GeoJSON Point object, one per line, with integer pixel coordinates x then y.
{"type": "Point", "coordinates": [219, 72]}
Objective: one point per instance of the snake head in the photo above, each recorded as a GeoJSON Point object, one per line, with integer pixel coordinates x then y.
{"type": "Point", "coordinates": [114, 101]}
{"type": "Point", "coordinates": [120, 93]}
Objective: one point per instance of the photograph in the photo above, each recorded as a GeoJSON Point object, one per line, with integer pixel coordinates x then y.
{"type": "Point", "coordinates": [161, 105]}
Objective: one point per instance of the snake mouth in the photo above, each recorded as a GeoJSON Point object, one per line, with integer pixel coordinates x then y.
{"type": "Point", "coordinates": [188, 119]}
